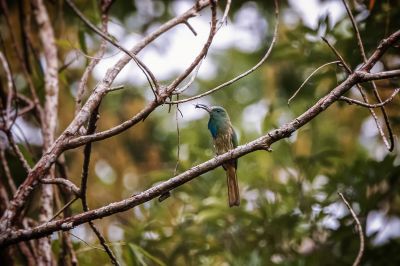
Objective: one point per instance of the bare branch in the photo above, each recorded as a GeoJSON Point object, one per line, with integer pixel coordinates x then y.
{"type": "Point", "coordinates": [49, 122]}
{"type": "Point", "coordinates": [244, 73]}
{"type": "Point", "coordinates": [380, 50]}
{"type": "Point", "coordinates": [359, 229]}
{"type": "Point", "coordinates": [79, 141]}
{"type": "Point", "coordinates": [190, 27]}
{"type": "Point", "coordinates": [388, 100]}
{"type": "Point", "coordinates": [116, 88]}
{"type": "Point", "coordinates": [224, 18]}
{"type": "Point", "coordinates": [366, 76]}
{"type": "Point", "coordinates": [17, 151]}
{"type": "Point", "coordinates": [308, 78]}
{"type": "Point", "coordinates": [65, 182]}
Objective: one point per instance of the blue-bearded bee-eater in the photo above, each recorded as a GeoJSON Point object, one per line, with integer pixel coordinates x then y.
{"type": "Point", "coordinates": [225, 139]}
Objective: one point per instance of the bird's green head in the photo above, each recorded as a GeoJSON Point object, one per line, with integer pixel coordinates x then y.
{"type": "Point", "coordinates": [219, 119]}
{"type": "Point", "coordinates": [217, 113]}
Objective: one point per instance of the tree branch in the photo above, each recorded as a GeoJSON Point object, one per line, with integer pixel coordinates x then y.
{"type": "Point", "coordinates": [49, 122]}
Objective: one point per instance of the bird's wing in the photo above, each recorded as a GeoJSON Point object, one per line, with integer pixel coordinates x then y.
{"type": "Point", "coordinates": [234, 138]}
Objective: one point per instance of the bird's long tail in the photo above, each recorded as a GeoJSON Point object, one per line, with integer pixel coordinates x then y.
{"type": "Point", "coordinates": [233, 188]}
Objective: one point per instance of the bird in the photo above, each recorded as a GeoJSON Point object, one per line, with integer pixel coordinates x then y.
{"type": "Point", "coordinates": [225, 139]}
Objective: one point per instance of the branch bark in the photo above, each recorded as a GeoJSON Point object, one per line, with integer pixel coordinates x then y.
{"type": "Point", "coordinates": [49, 122]}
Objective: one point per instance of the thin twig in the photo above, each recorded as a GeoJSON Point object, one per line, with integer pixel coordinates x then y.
{"type": "Point", "coordinates": [266, 55]}
{"type": "Point", "coordinates": [358, 36]}
{"type": "Point", "coordinates": [63, 209]}
{"type": "Point", "coordinates": [338, 55]}
{"type": "Point", "coordinates": [85, 242]}
{"type": "Point", "coordinates": [17, 151]}
{"type": "Point", "coordinates": [190, 27]}
{"type": "Point", "coordinates": [224, 19]}
{"type": "Point", "coordinates": [306, 80]}
{"type": "Point", "coordinates": [177, 111]}
{"type": "Point", "coordinates": [116, 88]}
{"type": "Point", "coordinates": [388, 100]}
{"type": "Point", "coordinates": [359, 229]}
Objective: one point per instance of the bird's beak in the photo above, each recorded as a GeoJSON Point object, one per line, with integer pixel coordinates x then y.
{"type": "Point", "coordinates": [203, 106]}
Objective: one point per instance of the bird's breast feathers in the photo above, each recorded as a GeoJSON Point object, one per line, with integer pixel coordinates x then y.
{"type": "Point", "coordinates": [223, 141]}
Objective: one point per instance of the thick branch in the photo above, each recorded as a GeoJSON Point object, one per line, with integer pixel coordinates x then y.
{"type": "Point", "coordinates": [49, 122]}
{"type": "Point", "coordinates": [366, 76]}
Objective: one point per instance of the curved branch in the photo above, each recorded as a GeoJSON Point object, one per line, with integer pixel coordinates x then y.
{"type": "Point", "coordinates": [308, 78]}
{"type": "Point", "coordinates": [61, 181]}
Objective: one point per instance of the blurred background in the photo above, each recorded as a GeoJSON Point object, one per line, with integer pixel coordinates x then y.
{"type": "Point", "coordinates": [290, 212]}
